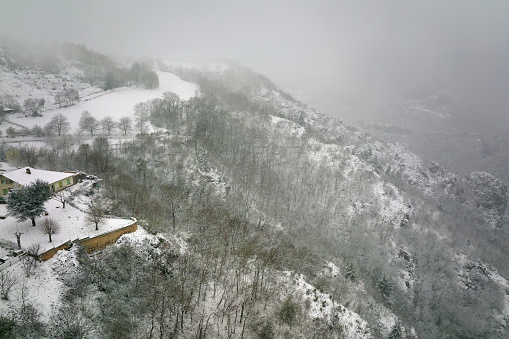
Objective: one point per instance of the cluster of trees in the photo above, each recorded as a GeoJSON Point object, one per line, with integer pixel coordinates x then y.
{"type": "Point", "coordinates": [59, 125]}
{"type": "Point", "coordinates": [224, 284]}
{"type": "Point", "coordinates": [107, 73]}
{"type": "Point", "coordinates": [167, 112]}
{"type": "Point", "coordinates": [9, 101]}
{"type": "Point", "coordinates": [67, 97]}
{"type": "Point", "coordinates": [90, 124]}
{"type": "Point", "coordinates": [34, 105]}
{"type": "Point", "coordinates": [37, 131]}
{"type": "Point", "coordinates": [140, 74]}
{"type": "Point", "coordinates": [30, 105]}
{"type": "Point", "coordinates": [255, 158]}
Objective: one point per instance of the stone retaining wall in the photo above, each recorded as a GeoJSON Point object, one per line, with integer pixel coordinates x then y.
{"type": "Point", "coordinates": [96, 243]}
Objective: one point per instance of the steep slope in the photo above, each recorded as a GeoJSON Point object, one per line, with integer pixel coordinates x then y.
{"type": "Point", "coordinates": [399, 221]}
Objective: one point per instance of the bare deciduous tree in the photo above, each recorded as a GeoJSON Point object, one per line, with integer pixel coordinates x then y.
{"type": "Point", "coordinates": [107, 124]}
{"type": "Point", "coordinates": [142, 115]}
{"type": "Point", "coordinates": [29, 155]}
{"type": "Point", "coordinates": [95, 213]}
{"type": "Point", "coordinates": [63, 196]}
{"type": "Point", "coordinates": [50, 227]}
{"type": "Point", "coordinates": [33, 251]}
{"type": "Point", "coordinates": [125, 124]}
{"type": "Point", "coordinates": [88, 122]}
{"type": "Point", "coordinates": [7, 281]}
{"type": "Point", "coordinates": [58, 124]}
{"type": "Point", "coordinates": [28, 264]}
{"type": "Point", "coordinates": [59, 99]}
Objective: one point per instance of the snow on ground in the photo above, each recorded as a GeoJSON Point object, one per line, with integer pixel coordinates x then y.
{"type": "Point", "coordinates": [42, 289]}
{"type": "Point", "coordinates": [292, 127]}
{"type": "Point", "coordinates": [71, 220]}
{"type": "Point", "coordinates": [322, 306]}
{"type": "Point", "coordinates": [24, 84]}
{"type": "Point", "coordinates": [393, 206]}
{"type": "Point", "coordinates": [331, 269]}
{"type": "Point", "coordinates": [116, 103]}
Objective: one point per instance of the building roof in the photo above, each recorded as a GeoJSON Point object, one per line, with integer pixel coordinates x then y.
{"type": "Point", "coordinates": [22, 177]}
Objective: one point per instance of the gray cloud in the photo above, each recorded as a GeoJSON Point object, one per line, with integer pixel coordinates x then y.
{"type": "Point", "coordinates": [345, 55]}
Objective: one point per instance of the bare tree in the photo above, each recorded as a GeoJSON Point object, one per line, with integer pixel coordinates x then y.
{"type": "Point", "coordinates": [125, 124]}
{"type": "Point", "coordinates": [142, 115]}
{"type": "Point", "coordinates": [173, 197]}
{"type": "Point", "coordinates": [29, 155]}
{"type": "Point", "coordinates": [58, 124]}
{"type": "Point", "coordinates": [7, 281]}
{"type": "Point", "coordinates": [50, 227]}
{"type": "Point", "coordinates": [60, 99]}
{"type": "Point", "coordinates": [95, 213]}
{"type": "Point", "coordinates": [62, 196]}
{"type": "Point", "coordinates": [71, 322]}
{"type": "Point", "coordinates": [107, 124]}
{"type": "Point", "coordinates": [33, 251]}
{"type": "Point", "coordinates": [28, 318]}
{"type": "Point", "coordinates": [28, 264]}
{"type": "Point", "coordinates": [88, 122]}
{"type": "Point", "coordinates": [18, 238]}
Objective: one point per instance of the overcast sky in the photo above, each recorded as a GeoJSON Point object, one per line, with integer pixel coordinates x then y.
{"type": "Point", "coordinates": [339, 54]}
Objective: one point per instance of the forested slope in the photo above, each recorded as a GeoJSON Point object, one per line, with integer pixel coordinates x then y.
{"type": "Point", "coordinates": [250, 196]}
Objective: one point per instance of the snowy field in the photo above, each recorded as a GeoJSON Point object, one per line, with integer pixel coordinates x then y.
{"type": "Point", "coordinates": [42, 289]}
{"type": "Point", "coordinates": [116, 103]}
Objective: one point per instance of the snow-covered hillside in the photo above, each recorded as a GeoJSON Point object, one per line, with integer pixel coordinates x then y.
{"type": "Point", "coordinates": [274, 220]}
{"type": "Point", "coordinates": [115, 103]}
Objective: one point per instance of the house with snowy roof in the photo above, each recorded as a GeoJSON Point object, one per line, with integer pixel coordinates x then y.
{"type": "Point", "coordinates": [27, 175]}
